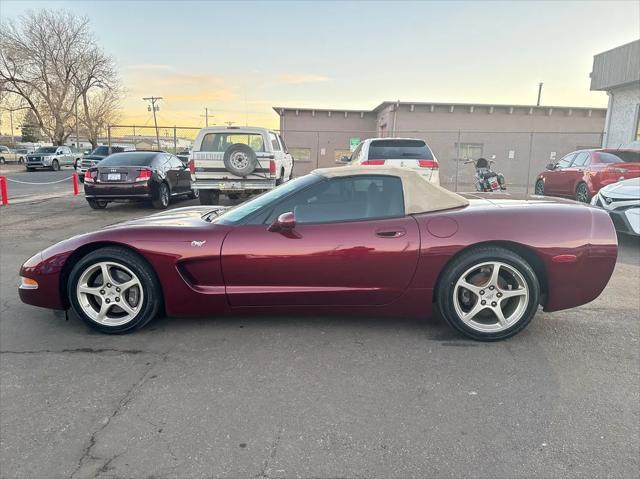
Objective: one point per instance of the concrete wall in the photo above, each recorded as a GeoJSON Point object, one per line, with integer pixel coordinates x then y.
{"type": "Point", "coordinates": [532, 135]}
{"type": "Point", "coordinates": [624, 103]}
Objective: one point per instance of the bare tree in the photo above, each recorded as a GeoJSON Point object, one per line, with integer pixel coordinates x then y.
{"type": "Point", "coordinates": [51, 59]}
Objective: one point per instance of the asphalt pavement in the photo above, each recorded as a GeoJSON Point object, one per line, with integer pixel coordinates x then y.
{"type": "Point", "coordinates": [321, 397]}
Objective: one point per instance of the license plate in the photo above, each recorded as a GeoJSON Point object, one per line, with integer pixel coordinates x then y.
{"type": "Point", "coordinates": [113, 177]}
{"type": "Point", "coordinates": [494, 183]}
{"type": "Point", "coordinates": [230, 186]}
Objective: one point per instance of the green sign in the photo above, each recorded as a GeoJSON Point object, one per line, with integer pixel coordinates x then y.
{"type": "Point", "coordinates": [353, 143]}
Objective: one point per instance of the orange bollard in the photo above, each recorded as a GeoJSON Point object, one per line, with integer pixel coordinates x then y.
{"type": "Point", "coordinates": [3, 190]}
{"type": "Point", "coordinates": [76, 187]}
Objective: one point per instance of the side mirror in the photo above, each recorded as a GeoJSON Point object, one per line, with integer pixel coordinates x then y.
{"type": "Point", "coordinates": [344, 159]}
{"type": "Point", "coordinates": [551, 166]}
{"type": "Point", "coordinates": [284, 222]}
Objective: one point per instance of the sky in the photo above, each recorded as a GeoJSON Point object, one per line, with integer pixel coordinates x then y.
{"type": "Point", "coordinates": [241, 58]}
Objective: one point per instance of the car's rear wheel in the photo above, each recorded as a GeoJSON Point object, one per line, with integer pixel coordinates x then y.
{"type": "Point", "coordinates": [582, 193]}
{"type": "Point", "coordinates": [114, 290]}
{"type": "Point", "coordinates": [209, 197]}
{"type": "Point", "coordinates": [97, 204]}
{"type": "Point", "coordinates": [194, 194]}
{"type": "Point", "coordinates": [55, 166]}
{"type": "Point", "coordinates": [539, 188]}
{"type": "Point", "coordinates": [488, 293]}
{"type": "Point", "coordinates": [76, 164]}
{"type": "Point", "coordinates": [2, 160]}
{"type": "Point", "coordinates": [161, 200]}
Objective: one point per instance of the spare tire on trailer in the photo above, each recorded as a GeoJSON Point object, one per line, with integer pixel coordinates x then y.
{"type": "Point", "coordinates": [240, 159]}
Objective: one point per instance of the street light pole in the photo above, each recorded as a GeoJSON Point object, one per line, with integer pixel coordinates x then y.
{"type": "Point", "coordinates": [539, 93]}
{"type": "Point", "coordinates": [152, 107]}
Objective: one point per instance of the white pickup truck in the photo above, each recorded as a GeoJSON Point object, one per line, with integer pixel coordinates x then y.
{"type": "Point", "coordinates": [237, 160]}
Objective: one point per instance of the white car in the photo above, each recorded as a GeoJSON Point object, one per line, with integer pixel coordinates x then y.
{"type": "Point", "coordinates": [411, 153]}
{"type": "Point", "coordinates": [622, 201]}
{"type": "Point", "coordinates": [237, 160]}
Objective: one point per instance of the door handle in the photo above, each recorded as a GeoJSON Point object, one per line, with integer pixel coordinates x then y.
{"type": "Point", "coordinates": [395, 233]}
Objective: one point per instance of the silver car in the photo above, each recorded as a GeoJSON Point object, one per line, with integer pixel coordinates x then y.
{"type": "Point", "coordinates": [51, 157]}
{"type": "Point", "coordinates": [622, 201]}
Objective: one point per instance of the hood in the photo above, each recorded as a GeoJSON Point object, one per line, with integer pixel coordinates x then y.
{"type": "Point", "coordinates": [40, 155]}
{"type": "Point", "coordinates": [627, 189]}
{"type": "Point", "coordinates": [178, 217]}
{"type": "Point", "coordinates": [93, 157]}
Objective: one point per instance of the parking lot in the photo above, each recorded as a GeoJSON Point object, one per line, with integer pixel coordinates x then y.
{"type": "Point", "coordinates": [310, 396]}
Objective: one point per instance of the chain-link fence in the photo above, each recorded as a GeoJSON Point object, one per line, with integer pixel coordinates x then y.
{"type": "Point", "coordinates": [173, 139]}
{"type": "Point", "coordinates": [518, 155]}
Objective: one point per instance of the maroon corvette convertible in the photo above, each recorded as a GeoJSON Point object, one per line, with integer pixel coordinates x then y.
{"type": "Point", "coordinates": [372, 240]}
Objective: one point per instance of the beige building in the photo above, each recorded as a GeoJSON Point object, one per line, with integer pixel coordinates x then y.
{"type": "Point", "coordinates": [617, 72]}
{"type": "Point", "coordinates": [523, 138]}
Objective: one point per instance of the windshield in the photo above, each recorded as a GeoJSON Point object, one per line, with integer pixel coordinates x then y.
{"type": "Point", "coordinates": [47, 149]}
{"type": "Point", "coordinates": [128, 159]}
{"type": "Point", "coordinates": [101, 150]}
{"type": "Point", "coordinates": [238, 213]}
{"type": "Point", "coordinates": [399, 150]}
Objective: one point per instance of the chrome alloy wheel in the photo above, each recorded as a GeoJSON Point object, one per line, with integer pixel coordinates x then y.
{"type": "Point", "coordinates": [239, 160]}
{"type": "Point", "coordinates": [110, 293]}
{"type": "Point", "coordinates": [491, 297]}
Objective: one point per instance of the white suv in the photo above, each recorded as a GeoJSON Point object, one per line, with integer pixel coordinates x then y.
{"type": "Point", "coordinates": [408, 153]}
{"type": "Point", "coordinates": [237, 160]}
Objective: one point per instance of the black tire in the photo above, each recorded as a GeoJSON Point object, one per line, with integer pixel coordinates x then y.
{"type": "Point", "coordinates": [21, 160]}
{"type": "Point", "coordinates": [2, 160]}
{"type": "Point", "coordinates": [162, 197]}
{"type": "Point", "coordinates": [152, 293]}
{"type": "Point", "coordinates": [240, 159]}
{"type": "Point", "coordinates": [209, 197]}
{"type": "Point", "coordinates": [55, 166]}
{"type": "Point", "coordinates": [539, 188]}
{"type": "Point", "coordinates": [280, 180]}
{"type": "Point", "coordinates": [466, 261]}
{"type": "Point", "coordinates": [81, 178]}
{"type": "Point", "coordinates": [76, 164]}
{"type": "Point", "coordinates": [582, 193]}
{"type": "Point", "coordinates": [195, 194]}
{"type": "Point", "coordinates": [97, 204]}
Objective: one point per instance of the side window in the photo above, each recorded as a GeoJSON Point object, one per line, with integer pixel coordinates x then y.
{"type": "Point", "coordinates": [582, 159]}
{"type": "Point", "coordinates": [274, 142]}
{"type": "Point", "coordinates": [566, 161]}
{"type": "Point", "coordinates": [284, 146]}
{"type": "Point", "coordinates": [345, 199]}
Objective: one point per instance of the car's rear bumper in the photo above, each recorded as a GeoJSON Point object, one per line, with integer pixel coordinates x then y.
{"type": "Point", "coordinates": [112, 191]}
{"type": "Point", "coordinates": [234, 185]}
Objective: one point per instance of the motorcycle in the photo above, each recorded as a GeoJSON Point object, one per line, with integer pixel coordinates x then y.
{"type": "Point", "coordinates": [485, 178]}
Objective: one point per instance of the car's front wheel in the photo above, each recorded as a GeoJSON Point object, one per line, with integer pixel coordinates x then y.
{"type": "Point", "coordinates": [55, 166]}
{"type": "Point", "coordinates": [114, 290]}
{"type": "Point", "coordinates": [582, 193]}
{"type": "Point", "coordinates": [488, 293]}
{"type": "Point", "coordinates": [539, 188]}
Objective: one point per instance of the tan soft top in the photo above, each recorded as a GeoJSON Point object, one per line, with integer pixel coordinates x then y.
{"type": "Point", "coordinates": [420, 196]}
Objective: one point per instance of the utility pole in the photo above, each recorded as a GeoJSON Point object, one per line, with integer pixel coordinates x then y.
{"type": "Point", "coordinates": [539, 93]}
{"type": "Point", "coordinates": [153, 107]}
{"type": "Point", "coordinates": [206, 116]}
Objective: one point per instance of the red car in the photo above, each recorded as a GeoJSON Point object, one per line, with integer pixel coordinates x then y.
{"type": "Point", "coordinates": [581, 174]}
{"type": "Point", "coordinates": [368, 240]}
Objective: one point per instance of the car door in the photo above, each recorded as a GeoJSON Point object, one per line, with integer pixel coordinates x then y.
{"type": "Point", "coordinates": [556, 178]}
{"type": "Point", "coordinates": [575, 173]}
{"type": "Point", "coordinates": [288, 159]}
{"type": "Point", "coordinates": [183, 176]}
{"type": "Point", "coordinates": [352, 245]}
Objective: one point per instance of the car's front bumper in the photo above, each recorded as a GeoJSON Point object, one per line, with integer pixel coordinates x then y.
{"type": "Point", "coordinates": [624, 213]}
